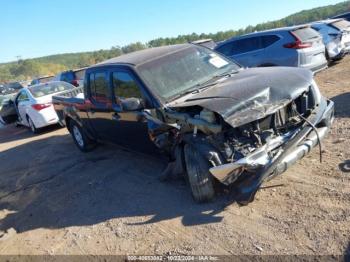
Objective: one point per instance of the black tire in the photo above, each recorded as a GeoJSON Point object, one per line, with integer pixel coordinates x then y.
{"type": "Point", "coordinates": [199, 177]}
{"type": "Point", "coordinates": [328, 58]}
{"type": "Point", "coordinates": [82, 141]}
{"type": "Point", "coordinates": [32, 126]}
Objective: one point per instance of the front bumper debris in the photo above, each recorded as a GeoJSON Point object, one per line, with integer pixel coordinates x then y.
{"type": "Point", "coordinates": [259, 158]}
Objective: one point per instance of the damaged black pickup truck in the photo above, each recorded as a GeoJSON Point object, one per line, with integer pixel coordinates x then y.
{"type": "Point", "coordinates": [217, 123]}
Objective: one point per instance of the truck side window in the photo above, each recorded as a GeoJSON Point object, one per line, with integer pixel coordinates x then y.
{"type": "Point", "coordinates": [124, 86]}
{"type": "Point", "coordinates": [99, 87]}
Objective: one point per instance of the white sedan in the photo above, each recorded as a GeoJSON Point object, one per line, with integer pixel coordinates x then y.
{"type": "Point", "coordinates": [34, 104]}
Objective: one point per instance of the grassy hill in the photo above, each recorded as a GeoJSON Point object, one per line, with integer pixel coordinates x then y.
{"type": "Point", "coordinates": [30, 68]}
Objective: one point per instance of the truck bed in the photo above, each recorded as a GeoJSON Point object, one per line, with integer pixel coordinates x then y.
{"type": "Point", "coordinates": [70, 97]}
{"type": "Point", "coordinates": [67, 99]}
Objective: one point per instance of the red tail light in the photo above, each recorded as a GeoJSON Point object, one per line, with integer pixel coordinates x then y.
{"type": "Point", "coordinates": [39, 107]}
{"type": "Point", "coordinates": [298, 44]}
{"type": "Point", "coordinates": [75, 82]}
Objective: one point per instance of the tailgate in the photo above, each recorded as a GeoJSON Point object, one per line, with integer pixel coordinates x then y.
{"type": "Point", "coordinates": [315, 53]}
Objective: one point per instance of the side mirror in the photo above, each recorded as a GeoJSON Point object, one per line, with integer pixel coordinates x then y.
{"type": "Point", "coordinates": [132, 104]}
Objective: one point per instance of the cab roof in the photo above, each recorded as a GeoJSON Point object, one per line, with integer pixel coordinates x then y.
{"type": "Point", "coordinates": [143, 56]}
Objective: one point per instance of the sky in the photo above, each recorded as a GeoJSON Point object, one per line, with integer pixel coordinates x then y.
{"type": "Point", "coordinates": [34, 28]}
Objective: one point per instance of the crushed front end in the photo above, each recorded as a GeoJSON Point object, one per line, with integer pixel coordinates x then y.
{"type": "Point", "coordinates": [258, 142]}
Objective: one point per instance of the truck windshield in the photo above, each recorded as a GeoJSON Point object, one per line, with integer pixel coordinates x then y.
{"type": "Point", "coordinates": [49, 88]}
{"type": "Point", "coordinates": [186, 69]}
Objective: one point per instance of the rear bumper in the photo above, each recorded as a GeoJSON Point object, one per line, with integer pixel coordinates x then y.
{"type": "Point", "coordinates": [45, 117]}
{"type": "Point", "coordinates": [261, 157]}
{"type": "Point", "coordinates": [316, 68]}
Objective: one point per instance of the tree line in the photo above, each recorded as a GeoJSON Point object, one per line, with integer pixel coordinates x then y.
{"type": "Point", "coordinates": [50, 65]}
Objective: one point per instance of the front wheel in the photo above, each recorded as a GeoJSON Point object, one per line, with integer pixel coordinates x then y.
{"type": "Point", "coordinates": [199, 177]}
{"type": "Point", "coordinates": [84, 143]}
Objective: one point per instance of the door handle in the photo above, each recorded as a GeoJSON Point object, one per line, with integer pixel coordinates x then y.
{"type": "Point", "coordinates": [116, 117]}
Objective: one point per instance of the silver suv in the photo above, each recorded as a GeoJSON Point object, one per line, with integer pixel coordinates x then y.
{"type": "Point", "coordinates": [298, 46]}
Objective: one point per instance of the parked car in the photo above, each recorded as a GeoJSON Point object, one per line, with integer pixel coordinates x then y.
{"type": "Point", "coordinates": [5, 90]}
{"type": "Point", "coordinates": [41, 80]}
{"type": "Point", "coordinates": [34, 107]}
{"type": "Point", "coordinates": [7, 110]}
{"type": "Point", "coordinates": [346, 16]}
{"type": "Point", "coordinates": [298, 46]}
{"type": "Point", "coordinates": [332, 39]}
{"type": "Point", "coordinates": [14, 86]}
{"type": "Point", "coordinates": [342, 27]}
{"type": "Point", "coordinates": [229, 125]}
{"type": "Point", "coordinates": [74, 77]}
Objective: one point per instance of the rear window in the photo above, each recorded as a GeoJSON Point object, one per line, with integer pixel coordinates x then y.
{"type": "Point", "coordinates": [342, 25]}
{"type": "Point", "coordinates": [306, 33]}
{"type": "Point", "coordinates": [80, 74]}
{"type": "Point", "coordinates": [49, 88]}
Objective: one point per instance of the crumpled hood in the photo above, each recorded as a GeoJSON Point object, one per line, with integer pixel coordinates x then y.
{"type": "Point", "coordinates": [251, 94]}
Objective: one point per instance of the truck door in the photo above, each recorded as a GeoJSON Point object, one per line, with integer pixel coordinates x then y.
{"type": "Point", "coordinates": [110, 120]}
{"type": "Point", "coordinates": [100, 113]}
{"type": "Point", "coordinates": [131, 130]}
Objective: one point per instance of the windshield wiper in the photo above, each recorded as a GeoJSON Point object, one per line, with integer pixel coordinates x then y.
{"type": "Point", "coordinates": [202, 86]}
{"type": "Point", "coordinates": [213, 81]}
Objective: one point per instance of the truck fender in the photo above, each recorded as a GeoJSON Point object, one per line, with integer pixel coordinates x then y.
{"type": "Point", "coordinates": [69, 114]}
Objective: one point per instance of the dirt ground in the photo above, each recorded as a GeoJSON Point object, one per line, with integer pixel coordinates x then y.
{"type": "Point", "coordinates": [57, 200]}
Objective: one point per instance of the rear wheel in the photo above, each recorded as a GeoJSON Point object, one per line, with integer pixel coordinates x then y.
{"type": "Point", "coordinates": [199, 177]}
{"type": "Point", "coordinates": [84, 143]}
{"type": "Point", "coordinates": [32, 125]}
